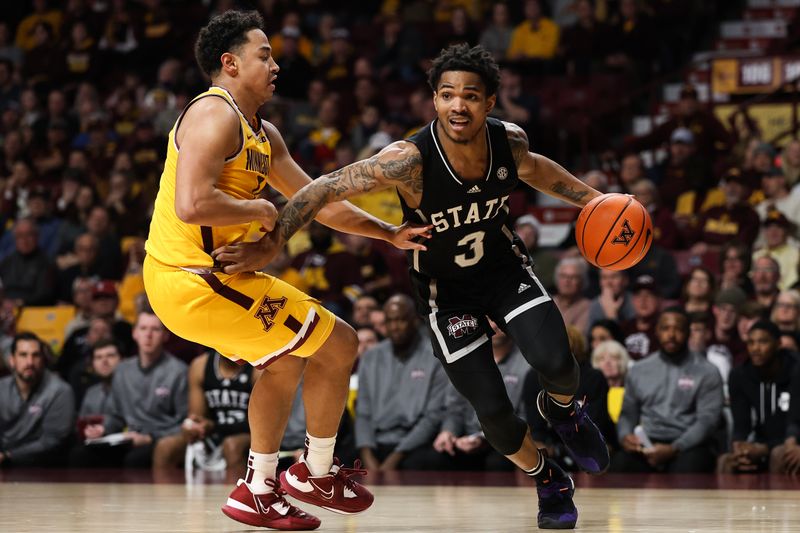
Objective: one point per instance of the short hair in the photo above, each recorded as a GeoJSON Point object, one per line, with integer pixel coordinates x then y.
{"type": "Point", "coordinates": [461, 57]}
{"type": "Point", "coordinates": [579, 263]}
{"type": "Point", "coordinates": [677, 310]}
{"type": "Point", "coordinates": [224, 33]}
{"type": "Point", "coordinates": [27, 336]}
{"type": "Point", "coordinates": [768, 326]}
{"type": "Point", "coordinates": [105, 343]}
{"type": "Point", "coordinates": [614, 348]}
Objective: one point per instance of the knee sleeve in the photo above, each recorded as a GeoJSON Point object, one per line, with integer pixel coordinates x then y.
{"type": "Point", "coordinates": [504, 430]}
{"type": "Point", "coordinates": [561, 375]}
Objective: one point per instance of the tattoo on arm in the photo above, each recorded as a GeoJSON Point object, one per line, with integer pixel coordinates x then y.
{"type": "Point", "coordinates": [518, 141]}
{"type": "Point", "coordinates": [352, 180]}
{"type": "Point", "coordinates": [562, 189]}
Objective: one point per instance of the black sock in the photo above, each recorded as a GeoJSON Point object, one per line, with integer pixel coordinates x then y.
{"type": "Point", "coordinates": [558, 410]}
{"type": "Point", "coordinates": [541, 471]}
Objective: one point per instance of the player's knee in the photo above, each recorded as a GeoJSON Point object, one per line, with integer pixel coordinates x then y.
{"type": "Point", "coordinates": [560, 375]}
{"type": "Point", "coordinates": [503, 429]}
{"type": "Point", "coordinates": [343, 348]}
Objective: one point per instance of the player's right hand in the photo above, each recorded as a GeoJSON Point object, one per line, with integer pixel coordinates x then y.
{"type": "Point", "coordinates": [268, 216]}
{"type": "Point", "coordinates": [247, 256]}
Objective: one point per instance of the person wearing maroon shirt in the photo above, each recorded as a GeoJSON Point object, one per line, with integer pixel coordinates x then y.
{"type": "Point", "coordinates": [640, 331]}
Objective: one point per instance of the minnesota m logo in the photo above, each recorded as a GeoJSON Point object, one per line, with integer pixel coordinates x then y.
{"type": "Point", "coordinates": [625, 235]}
{"type": "Point", "coordinates": [268, 309]}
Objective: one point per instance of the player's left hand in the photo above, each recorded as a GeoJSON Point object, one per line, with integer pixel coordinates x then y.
{"type": "Point", "coordinates": [247, 256]}
{"type": "Point", "coordinates": [403, 236]}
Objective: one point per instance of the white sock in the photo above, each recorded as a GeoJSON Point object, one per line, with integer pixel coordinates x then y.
{"type": "Point", "coordinates": [319, 454]}
{"type": "Point", "coordinates": [260, 467]}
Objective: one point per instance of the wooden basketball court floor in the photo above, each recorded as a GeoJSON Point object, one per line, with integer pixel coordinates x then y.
{"type": "Point", "coordinates": [424, 503]}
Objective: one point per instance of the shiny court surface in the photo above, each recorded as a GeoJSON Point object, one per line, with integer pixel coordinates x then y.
{"type": "Point", "coordinates": [644, 505]}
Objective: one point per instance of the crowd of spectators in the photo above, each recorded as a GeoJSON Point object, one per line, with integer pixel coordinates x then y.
{"type": "Point", "coordinates": [88, 93]}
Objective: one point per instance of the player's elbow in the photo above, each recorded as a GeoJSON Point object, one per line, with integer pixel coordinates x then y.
{"type": "Point", "coordinates": [187, 211]}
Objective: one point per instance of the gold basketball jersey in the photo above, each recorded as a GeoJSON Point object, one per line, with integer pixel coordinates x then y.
{"type": "Point", "coordinates": [176, 243]}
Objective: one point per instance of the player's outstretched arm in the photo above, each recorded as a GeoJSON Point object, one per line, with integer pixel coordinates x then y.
{"type": "Point", "coordinates": [210, 132]}
{"type": "Point", "coordinates": [544, 174]}
{"type": "Point", "coordinates": [398, 165]}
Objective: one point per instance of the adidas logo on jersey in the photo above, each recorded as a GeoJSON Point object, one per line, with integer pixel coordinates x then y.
{"type": "Point", "coordinates": [474, 188]}
{"type": "Point", "coordinates": [523, 287]}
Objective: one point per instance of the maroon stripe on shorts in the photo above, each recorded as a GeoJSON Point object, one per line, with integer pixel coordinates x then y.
{"type": "Point", "coordinates": [293, 324]}
{"type": "Point", "coordinates": [208, 239]}
{"type": "Point", "coordinates": [301, 342]}
{"type": "Point", "coordinates": [229, 293]}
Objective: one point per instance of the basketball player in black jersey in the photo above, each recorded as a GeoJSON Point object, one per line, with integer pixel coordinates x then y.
{"type": "Point", "coordinates": [219, 391]}
{"type": "Point", "coordinates": [455, 176]}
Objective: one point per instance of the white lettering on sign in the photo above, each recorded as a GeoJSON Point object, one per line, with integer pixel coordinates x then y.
{"type": "Point", "coordinates": [791, 70]}
{"type": "Point", "coordinates": [757, 73]}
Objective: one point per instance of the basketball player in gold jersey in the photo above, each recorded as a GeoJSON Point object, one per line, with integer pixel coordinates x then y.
{"type": "Point", "coordinates": [220, 157]}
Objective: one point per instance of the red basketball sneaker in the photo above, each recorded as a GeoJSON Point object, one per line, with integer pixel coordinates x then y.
{"type": "Point", "coordinates": [334, 491]}
{"type": "Point", "coordinates": [267, 510]}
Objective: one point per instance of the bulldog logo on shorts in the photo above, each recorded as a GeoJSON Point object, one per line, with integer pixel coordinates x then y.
{"type": "Point", "coordinates": [462, 325]}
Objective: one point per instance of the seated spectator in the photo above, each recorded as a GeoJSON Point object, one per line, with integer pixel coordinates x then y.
{"type": "Point", "coordinates": [367, 338]}
{"type": "Point", "coordinates": [725, 340]}
{"type": "Point", "coordinates": [362, 308]}
{"type": "Point", "coordinates": [639, 331]}
{"type": "Point", "coordinates": [786, 313]}
{"type": "Point", "coordinates": [665, 231]}
{"type": "Point", "coordinates": [82, 301]}
{"type": "Point", "coordinates": [760, 396]}
{"type": "Point", "coordinates": [612, 359]}
{"type": "Point", "coordinates": [37, 409]}
{"type": "Point", "coordinates": [86, 248]}
{"type": "Point", "coordinates": [377, 320]}
{"type": "Point", "coordinates": [496, 36]}
{"type": "Point", "coordinates": [528, 228]}
{"type": "Point", "coordinates": [790, 163]}
{"type": "Point", "coordinates": [514, 104]}
{"type": "Point", "coordinates": [660, 265]}
{"type": "Point", "coordinates": [777, 197]}
{"type": "Point", "coordinates": [785, 458]}
{"type": "Point", "coordinates": [106, 356]}
{"type": "Point", "coordinates": [614, 300]}
{"type": "Point", "coordinates": [216, 428]}
{"type": "Point", "coordinates": [374, 271]}
{"type": "Point", "coordinates": [605, 330]}
{"type": "Point", "coordinates": [676, 397]}
{"type": "Point", "coordinates": [461, 435]}
{"type": "Point", "coordinates": [698, 291]}
{"type": "Point", "coordinates": [765, 275]}
{"type": "Point", "coordinates": [776, 230]}
{"type": "Point", "coordinates": [734, 219]}
{"type": "Point", "coordinates": [149, 403]}
{"type": "Point", "coordinates": [735, 259]}
{"type": "Point", "coordinates": [28, 274]}
{"type": "Point", "coordinates": [592, 388]}
{"type": "Point", "coordinates": [584, 43]}
{"type": "Point", "coordinates": [749, 314]}
{"type": "Point", "coordinates": [571, 280]}
{"type": "Point", "coordinates": [401, 394]}
{"type": "Point", "coordinates": [536, 38]}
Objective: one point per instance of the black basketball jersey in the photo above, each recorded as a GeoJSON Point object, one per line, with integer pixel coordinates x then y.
{"type": "Point", "coordinates": [227, 398]}
{"type": "Point", "coordinates": [470, 234]}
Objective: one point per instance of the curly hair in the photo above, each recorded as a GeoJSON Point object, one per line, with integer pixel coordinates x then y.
{"type": "Point", "coordinates": [461, 57]}
{"type": "Point", "coordinates": [224, 33]}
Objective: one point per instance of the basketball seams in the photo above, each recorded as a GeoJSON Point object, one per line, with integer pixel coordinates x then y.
{"type": "Point", "coordinates": [610, 229]}
{"type": "Point", "coordinates": [586, 220]}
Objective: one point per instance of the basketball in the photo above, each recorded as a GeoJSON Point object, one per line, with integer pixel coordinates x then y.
{"type": "Point", "coordinates": [614, 231]}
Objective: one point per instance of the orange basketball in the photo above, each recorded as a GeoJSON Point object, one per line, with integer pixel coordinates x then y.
{"type": "Point", "coordinates": [614, 231]}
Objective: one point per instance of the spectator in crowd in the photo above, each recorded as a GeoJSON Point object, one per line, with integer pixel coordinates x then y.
{"type": "Point", "coordinates": [362, 307]}
{"type": "Point", "coordinates": [367, 338]}
{"type": "Point", "coordinates": [734, 219]}
{"type": "Point", "coordinates": [28, 274]}
{"type": "Point", "coordinates": [515, 104]}
{"type": "Point", "coordinates": [640, 331]}
{"type": "Point", "coordinates": [592, 388]}
{"type": "Point", "coordinates": [85, 266]}
{"type": "Point", "coordinates": [631, 41]}
{"type": "Point", "coordinates": [698, 290]}
{"type": "Point", "coordinates": [614, 301]}
{"type": "Point", "coordinates": [399, 52]}
{"type": "Point", "coordinates": [461, 436]}
{"type": "Point", "coordinates": [666, 233]}
{"type": "Point", "coordinates": [8, 50]}
{"type": "Point", "coordinates": [785, 458]}
{"type": "Point", "coordinates": [44, 62]}
{"type": "Point", "coordinates": [529, 229]}
{"type": "Point", "coordinates": [584, 43]}
{"type": "Point", "coordinates": [776, 229]}
{"type": "Point", "coordinates": [676, 397]}
{"type": "Point", "coordinates": [37, 409]}
{"type": "Point", "coordinates": [660, 265]}
{"type": "Point", "coordinates": [571, 280]}
{"type": "Point", "coordinates": [496, 36]}
{"type": "Point", "coordinates": [735, 260]}
{"type": "Point", "coordinates": [682, 170]}
{"type": "Point", "coordinates": [765, 275]}
{"type": "Point", "coordinates": [26, 31]}
{"type": "Point", "coordinates": [377, 320]}
{"type": "Point", "coordinates": [459, 30]}
{"type": "Point", "coordinates": [605, 330]}
{"type": "Point", "coordinates": [760, 398]}
{"type": "Point", "coordinates": [536, 38]}
{"type": "Point", "coordinates": [725, 335]}
{"type": "Point", "coordinates": [296, 71]}
{"type": "Point", "coordinates": [777, 197]}
{"type": "Point", "coordinates": [98, 223]}
{"type": "Point", "coordinates": [401, 395]}
{"type": "Point", "coordinates": [373, 268]}
{"type": "Point", "coordinates": [106, 356]}
{"type": "Point", "coordinates": [786, 313]}
{"type": "Point", "coordinates": [790, 163]}
{"type": "Point", "coordinates": [612, 359]}
{"type": "Point", "coordinates": [216, 428]}
{"type": "Point", "coordinates": [149, 402]}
